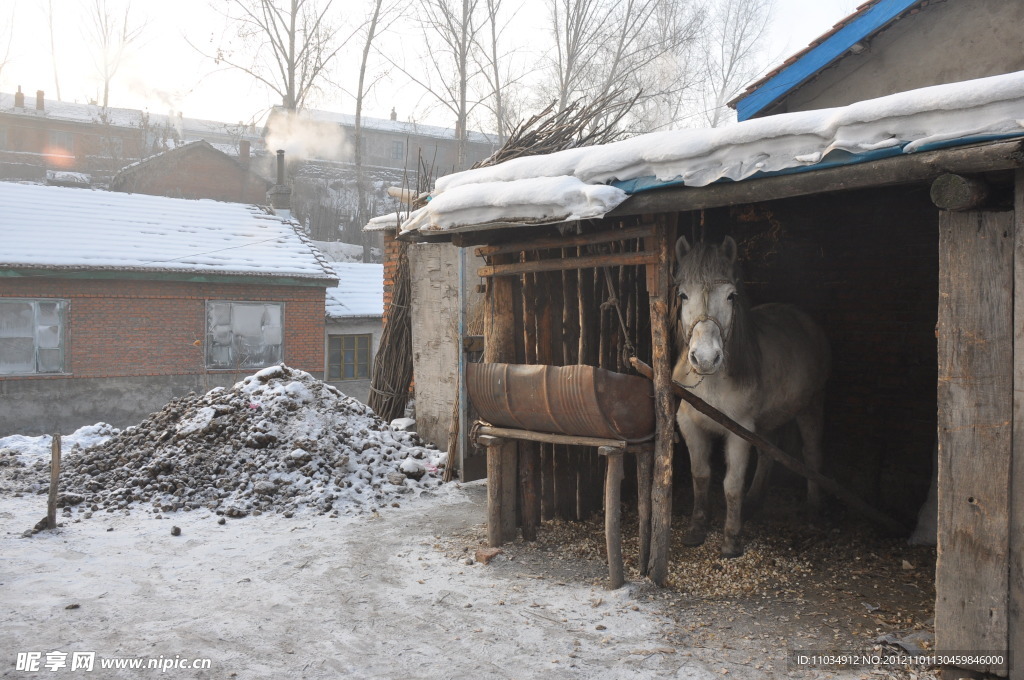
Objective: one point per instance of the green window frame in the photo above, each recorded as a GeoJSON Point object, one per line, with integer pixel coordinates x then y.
{"type": "Point", "coordinates": [32, 336]}
{"type": "Point", "coordinates": [348, 357]}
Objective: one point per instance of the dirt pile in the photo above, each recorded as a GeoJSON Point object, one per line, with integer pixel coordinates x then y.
{"type": "Point", "coordinates": [278, 441]}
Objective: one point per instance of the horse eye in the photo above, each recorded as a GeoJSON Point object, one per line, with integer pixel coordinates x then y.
{"type": "Point", "coordinates": [732, 297]}
{"type": "Point", "coordinates": [682, 296]}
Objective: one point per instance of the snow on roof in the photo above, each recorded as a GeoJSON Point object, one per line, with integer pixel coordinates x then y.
{"type": "Point", "coordinates": [385, 222]}
{"type": "Point", "coordinates": [60, 228]}
{"type": "Point", "coordinates": [189, 128]}
{"type": "Point", "coordinates": [569, 184]}
{"type": "Point", "coordinates": [179, 150]}
{"type": "Point", "coordinates": [360, 290]}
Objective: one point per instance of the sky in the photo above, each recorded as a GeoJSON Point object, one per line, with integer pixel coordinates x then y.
{"type": "Point", "coordinates": [162, 73]}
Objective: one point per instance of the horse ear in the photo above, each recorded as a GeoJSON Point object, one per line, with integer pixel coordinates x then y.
{"type": "Point", "coordinates": [729, 248]}
{"type": "Point", "coordinates": [682, 247]}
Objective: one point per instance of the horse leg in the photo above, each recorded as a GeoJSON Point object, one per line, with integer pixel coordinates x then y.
{"type": "Point", "coordinates": [811, 422]}
{"type": "Point", "coordinates": [755, 494]}
{"type": "Point", "coordinates": [737, 454]}
{"type": "Point", "coordinates": [698, 443]}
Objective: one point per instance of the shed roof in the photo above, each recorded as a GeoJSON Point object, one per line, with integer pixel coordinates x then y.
{"type": "Point", "coordinates": [64, 231]}
{"type": "Point", "coordinates": [196, 146]}
{"type": "Point", "coordinates": [359, 293]}
{"type": "Point", "coordinates": [868, 19]}
{"type": "Point", "coordinates": [589, 182]}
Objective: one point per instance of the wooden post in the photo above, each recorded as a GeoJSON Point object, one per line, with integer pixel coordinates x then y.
{"type": "Point", "coordinates": [644, 477]}
{"type": "Point", "coordinates": [51, 501]}
{"type": "Point", "coordinates": [658, 276]}
{"type": "Point", "coordinates": [613, 514]}
{"type": "Point", "coordinates": [975, 415]}
{"type": "Point", "coordinates": [1015, 624]}
{"type": "Point", "coordinates": [499, 347]}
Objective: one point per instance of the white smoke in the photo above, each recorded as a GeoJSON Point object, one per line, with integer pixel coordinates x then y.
{"type": "Point", "coordinates": [301, 137]}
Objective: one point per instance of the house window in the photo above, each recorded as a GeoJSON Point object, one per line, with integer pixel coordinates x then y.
{"type": "Point", "coordinates": [31, 336]}
{"type": "Point", "coordinates": [397, 151]}
{"type": "Point", "coordinates": [61, 141]}
{"type": "Point", "coordinates": [243, 335]}
{"type": "Point", "coordinates": [348, 357]}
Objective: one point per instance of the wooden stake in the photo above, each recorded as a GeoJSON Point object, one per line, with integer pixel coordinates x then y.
{"type": "Point", "coordinates": [613, 514]}
{"type": "Point", "coordinates": [51, 503]}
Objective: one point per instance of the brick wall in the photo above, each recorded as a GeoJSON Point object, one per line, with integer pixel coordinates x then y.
{"type": "Point", "coordinates": [391, 248]}
{"type": "Point", "coordinates": [118, 328]}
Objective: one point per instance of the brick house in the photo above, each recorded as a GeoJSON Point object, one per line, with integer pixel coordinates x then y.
{"type": "Point", "coordinates": [112, 304]}
{"type": "Point", "coordinates": [195, 170]}
{"type": "Point", "coordinates": [39, 134]}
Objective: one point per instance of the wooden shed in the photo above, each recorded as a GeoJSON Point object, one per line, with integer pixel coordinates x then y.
{"type": "Point", "coordinates": [904, 250]}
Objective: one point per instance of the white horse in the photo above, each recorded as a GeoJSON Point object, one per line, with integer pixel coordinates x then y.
{"type": "Point", "coordinates": [762, 366]}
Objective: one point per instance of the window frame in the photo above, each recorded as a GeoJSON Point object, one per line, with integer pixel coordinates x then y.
{"type": "Point", "coordinates": [63, 141]}
{"type": "Point", "coordinates": [62, 336]}
{"type": "Point", "coordinates": [233, 364]}
{"type": "Point", "coordinates": [341, 364]}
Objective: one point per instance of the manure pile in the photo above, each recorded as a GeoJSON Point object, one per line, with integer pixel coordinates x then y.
{"type": "Point", "coordinates": [278, 441]}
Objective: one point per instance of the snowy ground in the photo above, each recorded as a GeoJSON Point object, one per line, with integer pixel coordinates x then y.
{"type": "Point", "coordinates": [151, 565]}
{"type": "Point", "coordinates": [379, 596]}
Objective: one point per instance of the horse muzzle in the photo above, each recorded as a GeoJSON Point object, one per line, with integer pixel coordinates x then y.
{"type": "Point", "coordinates": [705, 362]}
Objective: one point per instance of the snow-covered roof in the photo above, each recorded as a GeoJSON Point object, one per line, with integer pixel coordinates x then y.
{"type": "Point", "coordinates": [67, 229]}
{"type": "Point", "coordinates": [589, 182]}
{"type": "Point", "coordinates": [385, 222]}
{"type": "Point", "coordinates": [188, 128]}
{"type": "Point", "coordinates": [397, 126]}
{"type": "Point", "coordinates": [359, 293]}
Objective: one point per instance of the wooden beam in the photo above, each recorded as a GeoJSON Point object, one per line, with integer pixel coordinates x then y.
{"type": "Point", "coordinates": [958, 192]}
{"type": "Point", "coordinates": [570, 241]}
{"type": "Point", "coordinates": [1015, 625]}
{"type": "Point", "coordinates": [975, 431]}
{"type": "Point", "coordinates": [559, 264]}
{"type": "Point", "coordinates": [550, 438]}
{"type": "Point", "coordinates": [906, 169]}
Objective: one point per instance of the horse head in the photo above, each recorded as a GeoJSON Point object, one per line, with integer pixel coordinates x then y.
{"type": "Point", "coordinates": [707, 286]}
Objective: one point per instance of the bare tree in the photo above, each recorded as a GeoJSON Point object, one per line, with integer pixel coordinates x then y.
{"type": "Point", "coordinates": [381, 15]}
{"type": "Point", "coordinates": [288, 45]}
{"type": "Point", "coordinates": [578, 27]}
{"type": "Point", "coordinates": [450, 63]}
{"type": "Point", "coordinates": [497, 65]}
{"type": "Point", "coordinates": [53, 45]}
{"type": "Point", "coordinates": [112, 34]}
{"type": "Point", "coordinates": [731, 46]}
{"type": "Point", "coordinates": [625, 46]}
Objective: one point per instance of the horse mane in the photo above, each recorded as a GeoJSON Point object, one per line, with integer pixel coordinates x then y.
{"type": "Point", "coordinates": [706, 263]}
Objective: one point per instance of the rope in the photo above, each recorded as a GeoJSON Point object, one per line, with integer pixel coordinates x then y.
{"type": "Point", "coordinates": [628, 350]}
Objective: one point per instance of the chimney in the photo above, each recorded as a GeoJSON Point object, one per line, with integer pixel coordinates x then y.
{"type": "Point", "coordinates": [394, 116]}
{"type": "Point", "coordinates": [19, 99]}
{"type": "Point", "coordinates": [244, 151]}
{"type": "Point", "coordinates": [280, 194]}
{"type": "Point", "coordinates": [39, 100]}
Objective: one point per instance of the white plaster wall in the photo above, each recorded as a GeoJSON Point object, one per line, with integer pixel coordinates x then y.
{"type": "Point", "coordinates": [434, 313]}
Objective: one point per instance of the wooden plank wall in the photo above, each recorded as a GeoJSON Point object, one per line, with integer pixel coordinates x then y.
{"type": "Point", "coordinates": [1015, 624]}
{"type": "Point", "coordinates": [975, 424]}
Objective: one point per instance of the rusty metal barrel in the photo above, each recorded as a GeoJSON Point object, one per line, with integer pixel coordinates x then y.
{"type": "Point", "coordinates": [573, 400]}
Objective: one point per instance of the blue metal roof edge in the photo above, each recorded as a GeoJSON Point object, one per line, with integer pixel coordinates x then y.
{"type": "Point", "coordinates": [820, 56]}
{"type": "Point", "coordinates": [834, 159]}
